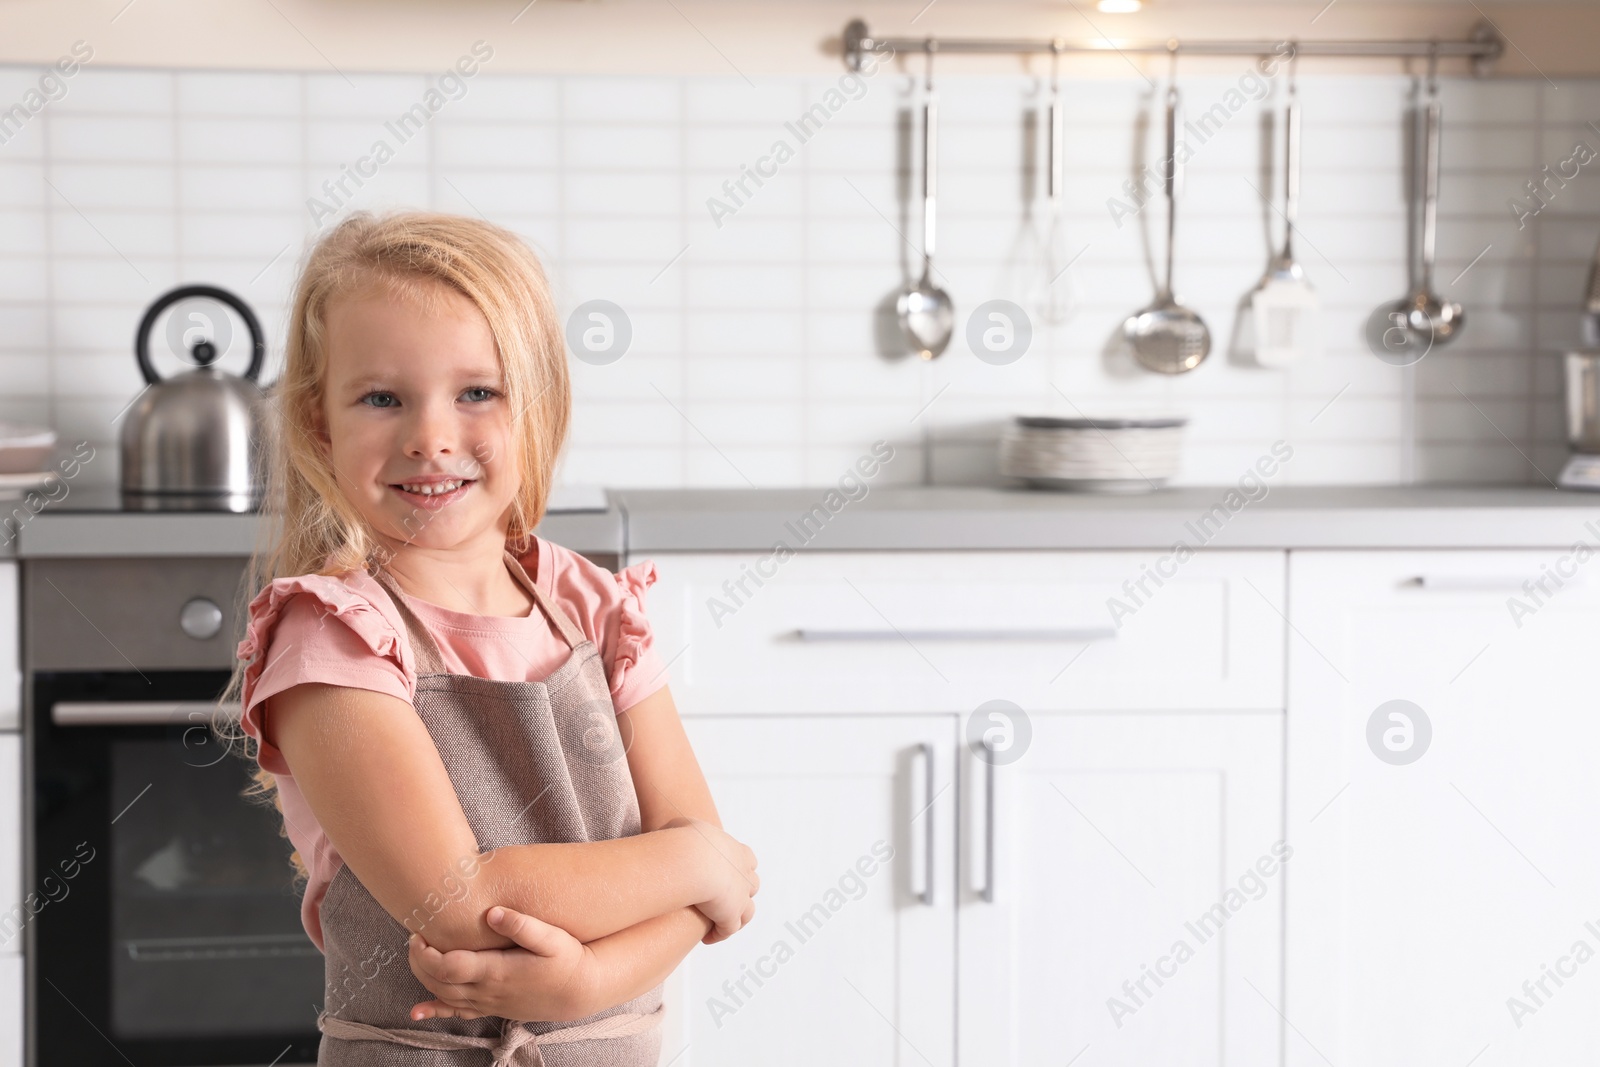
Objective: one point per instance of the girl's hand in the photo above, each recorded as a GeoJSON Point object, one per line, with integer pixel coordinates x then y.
{"type": "Point", "coordinates": [731, 871]}
{"type": "Point", "coordinates": [542, 980]}
{"type": "Point", "coordinates": [717, 935]}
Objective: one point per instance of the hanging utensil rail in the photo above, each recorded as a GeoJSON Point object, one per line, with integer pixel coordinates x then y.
{"type": "Point", "coordinates": [1482, 48]}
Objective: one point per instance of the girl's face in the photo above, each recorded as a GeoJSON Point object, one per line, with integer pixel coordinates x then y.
{"type": "Point", "coordinates": [408, 395]}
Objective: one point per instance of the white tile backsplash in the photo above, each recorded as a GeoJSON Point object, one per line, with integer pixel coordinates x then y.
{"type": "Point", "coordinates": [502, 143]}
{"type": "Point", "coordinates": [97, 91]}
{"type": "Point", "coordinates": [761, 351]}
{"type": "Point", "coordinates": [236, 94]}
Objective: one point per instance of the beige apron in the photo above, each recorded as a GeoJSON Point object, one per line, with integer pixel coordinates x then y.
{"type": "Point", "coordinates": [531, 762]}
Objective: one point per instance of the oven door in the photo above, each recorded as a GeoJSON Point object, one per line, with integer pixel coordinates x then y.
{"type": "Point", "coordinates": [175, 937]}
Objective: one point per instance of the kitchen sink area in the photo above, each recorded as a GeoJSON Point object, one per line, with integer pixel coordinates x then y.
{"type": "Point", "coordinates": [1109, 488]}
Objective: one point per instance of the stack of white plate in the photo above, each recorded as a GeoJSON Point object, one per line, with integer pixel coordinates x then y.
{"type": "Point", "coordinates": [24, 449]}
{"type": "Point", "coordinates": [24, 456]}
{"type": "Point", "coordinates": [1117, 454]}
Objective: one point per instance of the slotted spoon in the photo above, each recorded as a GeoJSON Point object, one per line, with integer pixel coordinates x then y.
{"type": "Point", "coordinates": [1284, 306]}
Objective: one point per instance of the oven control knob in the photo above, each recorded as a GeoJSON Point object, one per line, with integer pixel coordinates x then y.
{"type": "Point", "coordinates": [200, 618]}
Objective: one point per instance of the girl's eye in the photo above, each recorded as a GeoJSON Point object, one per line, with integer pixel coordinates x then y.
{"type": "Point", "coordinates": [390, 396]}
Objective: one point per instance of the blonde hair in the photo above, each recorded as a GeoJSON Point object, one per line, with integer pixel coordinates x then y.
{"type": "Point", "coordinates": [408, 254]}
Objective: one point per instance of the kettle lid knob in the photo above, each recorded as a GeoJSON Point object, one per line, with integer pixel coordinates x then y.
{"type": "Point", "coordinates": [204, 353]}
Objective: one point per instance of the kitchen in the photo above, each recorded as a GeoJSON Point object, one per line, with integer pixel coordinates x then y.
{"type": "Point", "coordinates": [1119, 478]}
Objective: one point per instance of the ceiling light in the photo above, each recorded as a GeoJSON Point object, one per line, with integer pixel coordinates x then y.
{"type": "Point", "coordinates": [1119, 7]}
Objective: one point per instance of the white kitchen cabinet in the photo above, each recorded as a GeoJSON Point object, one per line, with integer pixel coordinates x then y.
{"type": "Point", "coordinates": [1423, 895]}
{"type": "Point", "coordinates": [12, 1013]}
{"type": "Point", "coordinates": [10, 648]}
{"type": "Point", "coordinates": [14, 910]}
{"type": "Point", "coordinates": [845, 961]}
{"type": "Point", "coordinates": [1115, 836]}
{"type": "Point", "coordinates": [947, 631]}
{"type": "Point", "coordinates": [1153, 785]}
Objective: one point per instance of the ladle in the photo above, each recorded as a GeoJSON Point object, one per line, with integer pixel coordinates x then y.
{"type": "Point", "coordinates": [1166, 336]}
{"type": "Point", "coordinates": [1428, 318]}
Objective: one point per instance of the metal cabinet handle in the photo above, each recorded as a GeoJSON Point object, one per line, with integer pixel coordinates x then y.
{"type": "Point", "coordinates": [138, 712]}
{"type": "Point", "coordinates": [925, 750]}
{"type": "Point", "coordinates": [1093, 633]}
{"type": "Point", "coordinates": [1468, 583]}
{"type": "Point", "coordinates": [988, 823]}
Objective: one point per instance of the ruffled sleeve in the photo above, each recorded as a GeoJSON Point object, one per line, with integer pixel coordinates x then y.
{"type": "Point", "coordinates": [289, 640]}
{"type": "Point", "coordinates": [637, 669]}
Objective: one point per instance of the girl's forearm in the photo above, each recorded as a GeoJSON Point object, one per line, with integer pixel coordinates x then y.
{"type": "Point", "coordinates": [631, 962]}
{"type": "Point", "coordinates": [590, 889]}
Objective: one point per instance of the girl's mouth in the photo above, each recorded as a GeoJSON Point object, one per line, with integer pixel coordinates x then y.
{"type": "Point", "coordinates": [437, 496]}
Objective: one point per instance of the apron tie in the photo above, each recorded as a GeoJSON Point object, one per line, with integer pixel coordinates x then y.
{"type": "Point", "coordinates": [504, 1048]}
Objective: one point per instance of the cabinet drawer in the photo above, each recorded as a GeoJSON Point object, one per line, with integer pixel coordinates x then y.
{"type": "Point", "coordinates": [946, 631]}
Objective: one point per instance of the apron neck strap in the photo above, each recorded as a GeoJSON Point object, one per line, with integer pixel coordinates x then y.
{"type": "Point", "coordinates": [426, 650]}
{"type": "Point", "coordinates": [423, 647]}
{"type": "Point", "coordinates": [557, 615]}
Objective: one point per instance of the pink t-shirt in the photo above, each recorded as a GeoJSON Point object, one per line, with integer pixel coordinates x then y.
{"type": "Point", "coordinates": [293, 620]}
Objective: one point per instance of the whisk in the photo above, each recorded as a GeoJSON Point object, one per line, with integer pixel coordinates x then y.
{"type": "Point", "coordinates": [1054, 301]}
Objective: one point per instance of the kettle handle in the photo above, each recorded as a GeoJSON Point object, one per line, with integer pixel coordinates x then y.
{"type": "Point", "coordinates": [141, 338]}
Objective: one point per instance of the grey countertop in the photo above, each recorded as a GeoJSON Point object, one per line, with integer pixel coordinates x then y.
{"type": "Point", "coordinates": [994, 518]}
{"type": "Point", "coordinates": [89, 529]}
{"type": "Point", "coordinates": [642, 522]}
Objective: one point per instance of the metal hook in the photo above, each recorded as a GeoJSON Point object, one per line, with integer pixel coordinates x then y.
{"type": "Point", "coordinates": [1055, 57]}
{"type": "Point", "coordinates": [929, 46]}
{"type": "Point", "coordinates": [1294, 60]}
{"type": "Point", "coordinates": [1433, 68]}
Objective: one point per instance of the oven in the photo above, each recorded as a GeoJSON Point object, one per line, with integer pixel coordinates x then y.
{"type": "Point", "coordinates": [174, 934]}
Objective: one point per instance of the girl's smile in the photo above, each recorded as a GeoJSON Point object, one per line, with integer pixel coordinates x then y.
{"type": "Point", "coordinates": [434, 495]}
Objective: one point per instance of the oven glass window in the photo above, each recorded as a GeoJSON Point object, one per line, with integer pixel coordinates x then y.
{"type": "Point", "coordinates": [205, 914]}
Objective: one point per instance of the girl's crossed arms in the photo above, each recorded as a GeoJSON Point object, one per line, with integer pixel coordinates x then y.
{"type": "Point", "coordinates": [552, 932]}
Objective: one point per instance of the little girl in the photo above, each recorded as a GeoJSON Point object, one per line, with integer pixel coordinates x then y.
{"type": "Point", "coordinates": [506, 840]}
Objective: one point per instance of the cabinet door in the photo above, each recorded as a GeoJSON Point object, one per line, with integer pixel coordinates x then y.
{"type": "Point", "coordinates": [1445, 858]}
{"type": "Point", "coordinates": [14, 917]}
{"type": "Point", "coordinates": [1137, 893]}
{"type": "Point", "coordinates": [850, 958]}
{"type": "Point", "coordinates": [12, 1011]}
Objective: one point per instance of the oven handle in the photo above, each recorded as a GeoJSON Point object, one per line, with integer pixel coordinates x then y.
{"type": "Point", "coordinates": [138, 712]}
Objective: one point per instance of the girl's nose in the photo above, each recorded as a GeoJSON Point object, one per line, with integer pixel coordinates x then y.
{"type": "Point", "coordinates": [433, 429]}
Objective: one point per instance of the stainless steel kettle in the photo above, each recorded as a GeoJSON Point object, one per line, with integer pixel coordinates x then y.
{"type": "Point", "coordinates": [194, 441]}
